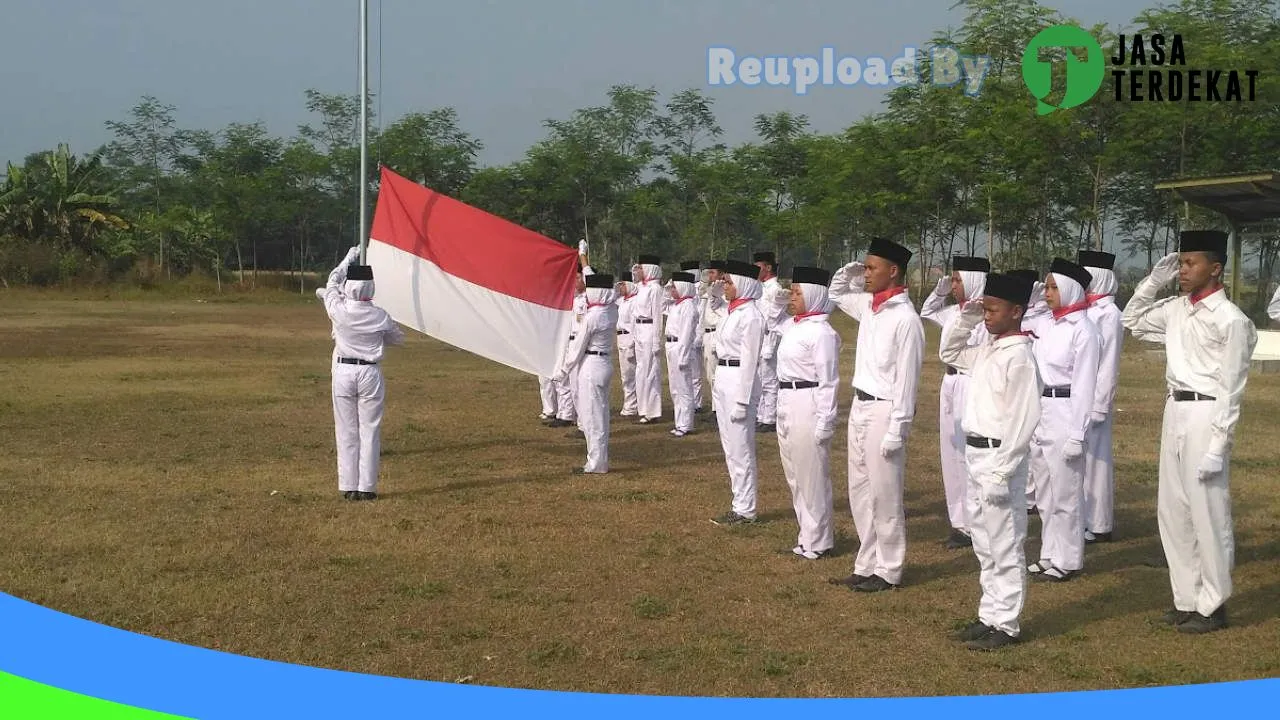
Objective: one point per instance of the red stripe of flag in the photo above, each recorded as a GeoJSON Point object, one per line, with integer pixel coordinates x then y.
{"type": "Point", "coordinates": [473, 245]}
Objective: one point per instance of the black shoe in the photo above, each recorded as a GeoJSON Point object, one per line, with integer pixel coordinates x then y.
{"type": "Point", "coordinates": [699, 411]}
{"type": "Point", "coordinates": [558, 423]}
{"type": "Point", "coordinates": [973, 631]}
{"type": "Point", "coordinates": [1093, 537]}
{"type": "Point", "coordinates": [1199, 624]}
{"type": "Point", "coordinates": [992, 640]}
{"type": "Point", "coordinates": [732, 518]}
{"type": "Point", "coordinates": [766, 427]}
{"type": "Point", "coordinates": [1176, 616]}
{"type": "Point", "coordinates": [852, 581]}
{"type": "Point", "coordinates": [365, 495]}
{"type": "Point", "coordinates": [577, 471]}
{"type": "Point", "coordinates": [875, 584]}
{"type": "Point", "coordinates": [575, 435]}
{"type": "Point", "coordinates": [958, 540]}
{"type": "Point", "coordinates": [348, 494]}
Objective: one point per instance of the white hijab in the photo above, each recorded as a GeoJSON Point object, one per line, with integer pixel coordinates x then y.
{"type": "Point", "coordinates": [749, 288]}
{"type": "Point", "coordinates": [650, 272]}
{"type": "Point", "coordinates": [816, 299]}
{"type": "Point", "coordinates": [975, 284]}
{"type": "Point", "coordinates": [358, 289]}
{"type": "Point", "coordinates": [1070, 292]}
{"type": "Point", "coordinates": [1104, 282]}
{"type": "Point", "coordinates": [601, 296]}
{"type": "Point", "coordinates": [683, 289]}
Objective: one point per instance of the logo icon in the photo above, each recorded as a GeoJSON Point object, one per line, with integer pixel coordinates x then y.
{"type": "Point", "coordinates": [1084, 78]}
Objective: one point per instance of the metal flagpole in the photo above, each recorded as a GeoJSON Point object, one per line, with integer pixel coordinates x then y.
{"type": "Point", "coordinates": [364, 128]}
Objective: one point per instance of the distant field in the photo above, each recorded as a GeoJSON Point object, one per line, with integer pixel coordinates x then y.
{"type": "Point", "coordinates": [170, 470]}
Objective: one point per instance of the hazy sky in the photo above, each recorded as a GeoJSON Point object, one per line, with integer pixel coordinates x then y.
{"type": "Point", "coordinates": [67, 66]}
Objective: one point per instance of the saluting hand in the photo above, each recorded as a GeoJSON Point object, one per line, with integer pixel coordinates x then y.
{"type": "Point", "coordinates": [943, 288]}
{"type": "Point", "coordinates": [1166, 270]}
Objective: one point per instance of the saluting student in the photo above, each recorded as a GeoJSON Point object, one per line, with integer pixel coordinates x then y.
{"type": "Point", "coordinates": [965, 284]}
{"type": "Point", "coordinates": [588, 361]}
{"type": "Point", "coordinates": [1067, 357]}
{"type": "Point", "coordinates": [886, 373]}
{"type": "Point", "coordinates": [646, 319]}
{"type": "Point", "coordinates": [808, 378]}
{"type": "Point", "coordinates": [692, 267]}
{"type": "Point", "coordinates": [1099, 467]}
{"type": "Point", "coordinates": [1033, 321]}
{"type": "Point", "coordinates": [567, 388]}
{"type": "Point", "coordinates": [773, 305]}
{"type": "Point", "coordinates": [737, 387]}
{"type": "Point", "coordinates": [714, 308]}
{"type": "Point", "coordinates": [1208, 346]}
{"type": "Point", "coordinates": [1001, 411]}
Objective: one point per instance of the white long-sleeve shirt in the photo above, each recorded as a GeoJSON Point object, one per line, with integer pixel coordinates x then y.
{"type": "Point", "coordinates": [1208, 347]}
{"type": "Point", "coordinates": [1273, 310]}
{"type": "Point", "coordinates": [714, 310]}
{"type": "Point", "coordinates": [810, 350]}
{"type": "Point", "coordinates": [596, 332]}
{"type": "Point", "coordinates": [773, 305]}
{"type": "Point", "coordinates": [1003, 402]}
{"type": "Point", "coordinates": [1067, 356]}
{"type": "Point", "coordinates": [1106, 317]}
{"type": "Point", "coordinates": [682, 324]}
{"type": "Point", "coordinates": [648, 304]}
{"type": "Point", "coordinates": [361, 330]}
{"type": "Point", "coordinates": [935, 310]}
{"type": "Point", "coordinates": [739, 337]}
{"type": "Point", "coordinates": [1037, 318]}
{"type": "Point", "coordinates": [624, 327]}
{"type": "Point", "coordinates": [890, 348]}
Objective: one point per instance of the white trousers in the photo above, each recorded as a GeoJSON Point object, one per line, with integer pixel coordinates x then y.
{"type": "Point", "coordinates": [769, 389]}
{"type": "Point", "coordinates": [1099, 479]}
{"type": "Point", "coordinates": [738, 439]}
{"type": "Point", "coordinates": [875, 493]}
{"type": "Point", "coordinates": [648, 372]}
{"type": "Point", "coordinates": [807, 465]}
{"type": "Point", "coordinates": [358, 398]}
{"type": "Point", "coordinates": [696, 372]}
{"type": "Point", "coordinates": [1194, 516]}
{"type": "Point", "coordinates": [566, 401]}
{"type": "Point", "coordinates": [681, 382]}
{"type": "Point", "coordinates": [709, 366]}
{"type": "Point", "coordinates": [594, 377]}
{"type": "Point", "coordinates": [1060, 494]}
{"type": "Point", "coordinates": [547, 391]}
{"type": "Point", "coordinates": [955, 476]}
{"type": "Point", "coordinates": [627, 366]}
{"type": "Point", "coordinates": [999, 535]}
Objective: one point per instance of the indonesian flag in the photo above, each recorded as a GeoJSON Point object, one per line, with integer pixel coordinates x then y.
{"type": "Point", "coordinates": [471, 279]}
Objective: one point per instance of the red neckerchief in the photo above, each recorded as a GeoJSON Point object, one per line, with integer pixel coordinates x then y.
{"type": "Point", "coordinates": [801, 316]}
{"type": "Point", "coordinates": [679, 300]}
{"type": "Point", "coordinates": [1091, 299]}
{"type": "Point", "coordinates": [883, 296]}
{"type": "Point", "coordinates": [1197, 297]}
{"type": "Point", "coordinates": [738, 303]}
{"type": "Point", "coordinates": [1017, 332]}
{"type": "Point", "coordinates": [1065, 311]}
{"type": "Point", "coordinates": [591, 305]}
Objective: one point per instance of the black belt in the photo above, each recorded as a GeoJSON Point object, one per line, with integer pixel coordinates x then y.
{"type": "Point", "coordinates": [1187, 395]}
{"type": "Point", "coordinates": [866, 396]}
{"type": "Point", "coordinates": [952, 371]}
{"type": "Point", "coordinates": [1057, 392]}
{"type": "Point", "coordinates": [797, 385]}
{"type": "Point", "coordinates": [976, 441]}
{"type": "Point", "coordinates": [707, 330]}
{"type": "Point", "coordinates": [643, 321]}
{"type": "Point", "coordinates": [624, 332]}
{"type": "Point", "coordinates": [672, 338]}
{"type": "Point", "coordinates": [729, 363]}
{"type": "Point", "coordinates": [572, 337]}
{"type": "Point", "coordinates": [597, 352]}
{"type": "Point", "coordinates": [356, 361]}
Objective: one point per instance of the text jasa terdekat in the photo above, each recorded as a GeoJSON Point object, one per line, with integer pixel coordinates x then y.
{"type": "Point", "coordinates": [1138, 84]}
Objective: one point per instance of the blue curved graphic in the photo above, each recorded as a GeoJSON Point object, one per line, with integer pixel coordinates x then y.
{"type": "Point", "coordinates": [83, 657]}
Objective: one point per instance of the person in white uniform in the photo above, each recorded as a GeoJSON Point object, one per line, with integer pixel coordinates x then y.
{"type": "Point", "coordinates": [547, 393]}
{"type": "Point", "coordinates": [588, 360]}
{"type": "Point", "coordinates": [567, 389]}
{"type": "Point", "coordinates": [887, 360]}
{"type": "Point", "coordinates": [966, 283]}
{"type": "Point", "coordinates": [361, 331]}
{"type": "Point", "coordinates": [1273, 310]}
{"type": "Point", "coordinates": [646, 319]}
{"type": "Point", "coordinates": [737, 386]}
{"type": "Point", "coordinates": [682, 352]}
{"type": "Point", "coordinates": [626, 292]}
{"type": "Point", "coordinates": [1099, 459]}
{"type": "Point", "coordinates": [714, 309]}
{"type": "Point", "coordinates": [1208, 345]}
{"type": "Point", "coordinates": [808, 379]}
{"type": "Point", "coordinates": [773, 305]}
{"type": "Point", "coordinates": [1067, 357]}
{"type": "Point", "coordinates": [1001, 411]}
{"type": "Point", "coordinates": [1034, 321]}
{"type": "Point", "coordinates": [693, 268]}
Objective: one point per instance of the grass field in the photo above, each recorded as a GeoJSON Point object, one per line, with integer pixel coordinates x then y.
{"type": "Point", "coordinates": [169, 469]}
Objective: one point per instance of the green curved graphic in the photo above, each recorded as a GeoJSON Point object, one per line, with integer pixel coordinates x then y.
{"type": "Point", "coordinates": [22, 699]}
{"type": "Point", "coordinates": [1084, 78]}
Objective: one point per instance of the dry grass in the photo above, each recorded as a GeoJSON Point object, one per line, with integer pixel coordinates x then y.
{"type": "Point", "coordinates": [169, 469]}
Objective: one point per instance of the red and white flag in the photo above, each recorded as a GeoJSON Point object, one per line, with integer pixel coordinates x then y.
{"type": "Point", "coordinates": [471, 279]}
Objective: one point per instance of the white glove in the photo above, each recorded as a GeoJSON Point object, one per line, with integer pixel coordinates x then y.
{"type": "Point", "coordinates": [1097, 418]}
{"type": "Point", "coordinates": [766, 351]}
{"type": "Point", "coordinates": [1166, 270]}
{"type": "Point", "coordinates": [1211, 466]}
{"type": "Point", "coordinates": [1072, 450]}
{"type": "Point", "coordinates": [944, 287]}
{"type": "Point", "coordinates": [739, 413]}
{"type": "Point", "coordinates": [890, 445]}
{"type": "Point", "coordinates": [353, 255]}
{"type": "Point", "coordinates": [782, 295]}
{"type": "Point", "coordinates": [560, 377]}
{"type": "Point", "coordinates": [717, 289]}
{"type": "Point", "coordinates": [855, 268]}
{"type": "Point", "coordinates": [995, 491]}
{"type": "Point", "coordinates": [822, 435]}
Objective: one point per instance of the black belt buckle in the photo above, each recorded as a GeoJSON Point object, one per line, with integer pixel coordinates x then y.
{"type": "Point", "coordinates": [624, 332]}
{"type": "Point", "coordinates": [729, 363]}
{"type": "Point", "coordinates": [866, 397]}
{"type": "Point", "coordinates": [976, 441]}
{"type": "Point", "coordinates": [672, 338]}
{"type": "Point", "coordinates": [643, 321]}
{"type": "Point", "coordinates": [708, 330]}
{"type": "Point", "coordinates": [597, 352]}
{"type": "Point", "coordinates": [797, 384]}
{"type": "Point", "coordinates": [571, 337]}
{"type": "Point", "coordinates": [952, 371]}
{"type": "Point", "coordinates": [1188, 396]}
{"type": "Point", "coordinates": [1057, 392]}
{"type": "Point", "coordinates": [355, 361]}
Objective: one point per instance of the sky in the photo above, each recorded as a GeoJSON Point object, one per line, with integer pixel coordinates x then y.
{"type": "Point", "coordinates": [68, 66]}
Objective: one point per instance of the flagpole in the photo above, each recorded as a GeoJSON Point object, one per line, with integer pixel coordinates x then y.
{"type": "Point", "coordinates": [364, 128]}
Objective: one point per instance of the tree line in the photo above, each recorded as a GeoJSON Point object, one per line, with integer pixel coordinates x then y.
{"type": "Point", "coordinates": [940, 171]}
